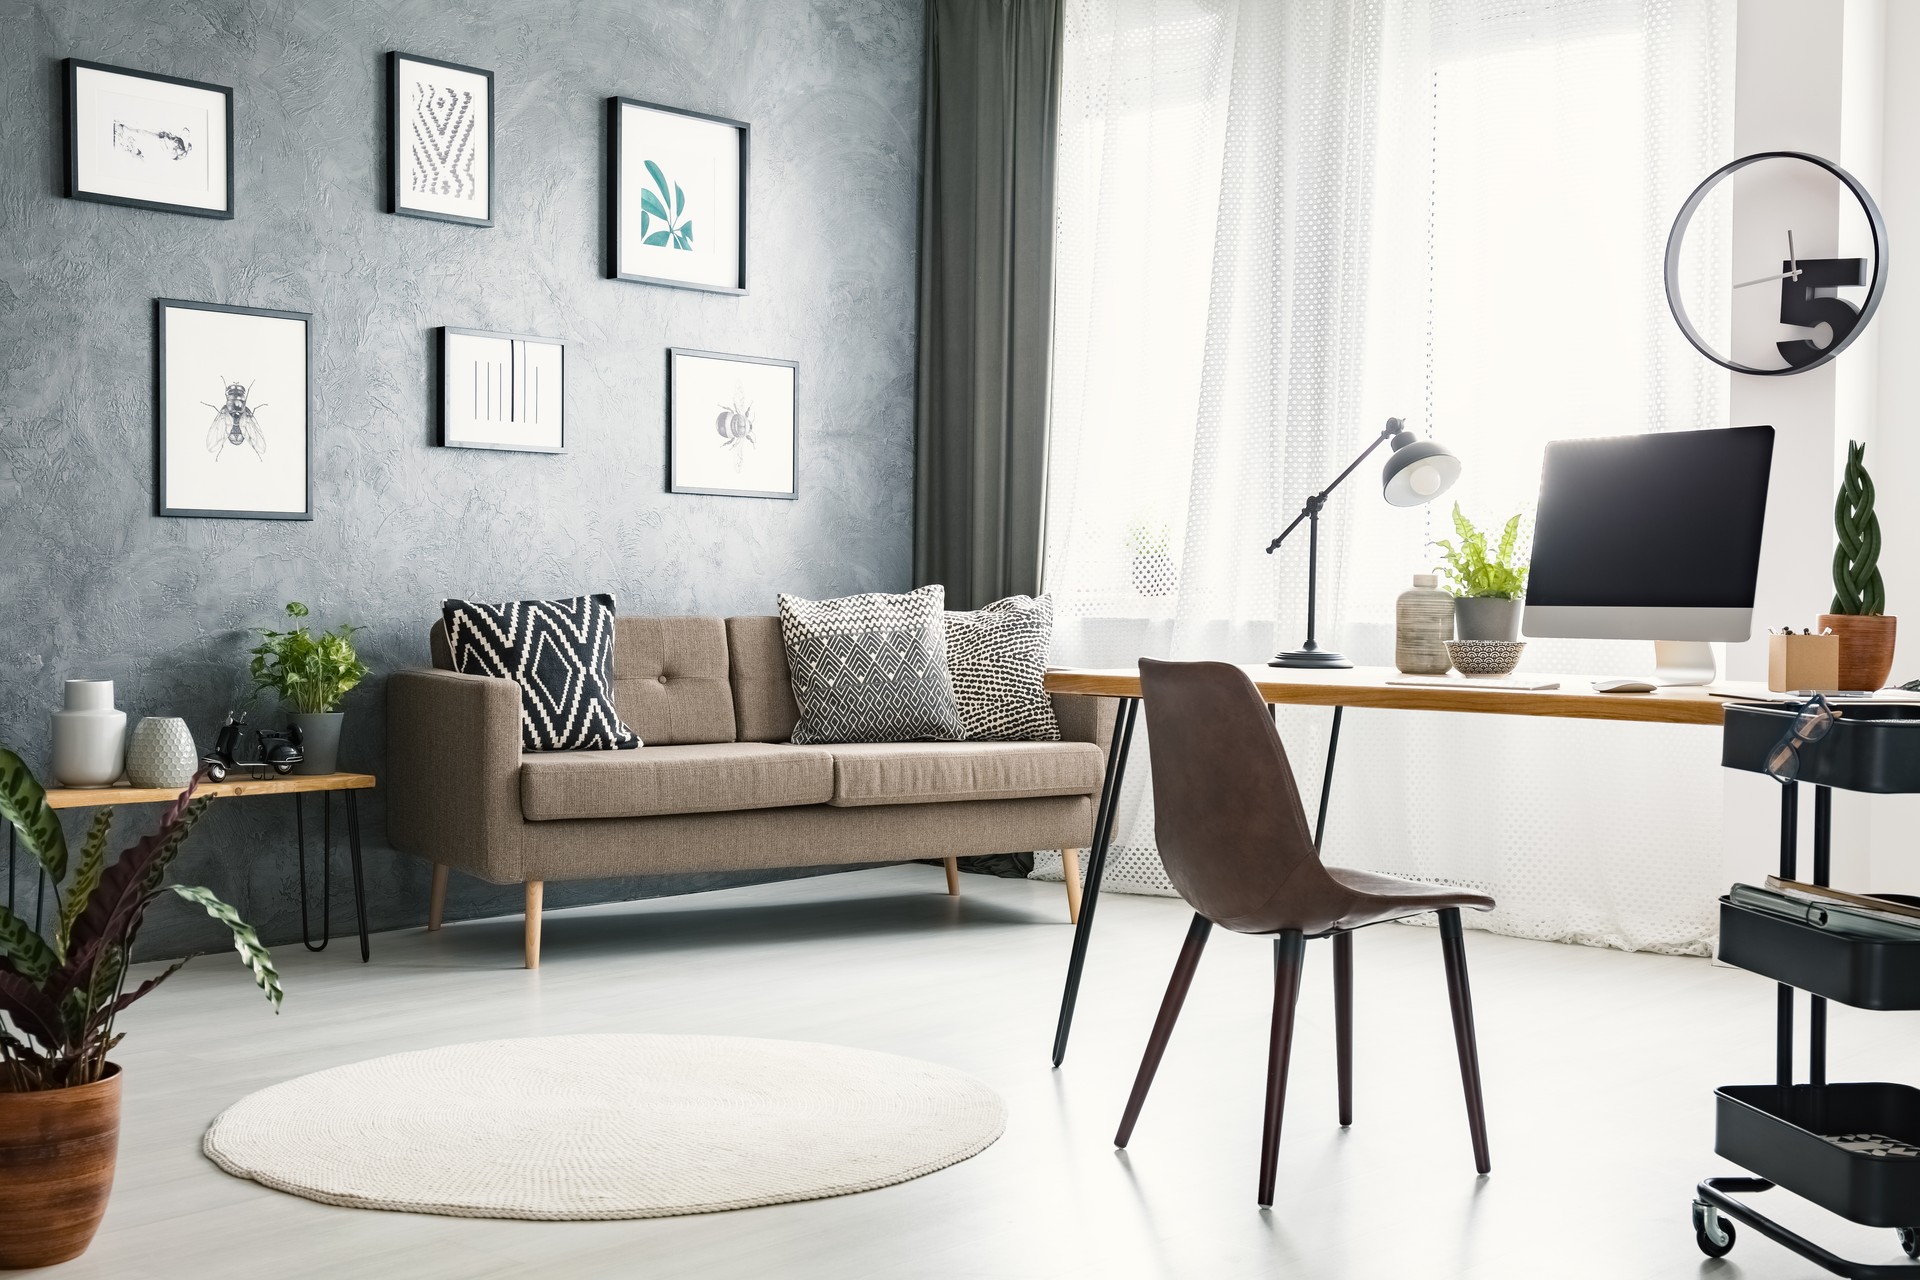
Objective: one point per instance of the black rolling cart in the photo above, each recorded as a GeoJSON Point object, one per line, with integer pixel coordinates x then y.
{"type": "Point", "coordinates": [1853, 1149]}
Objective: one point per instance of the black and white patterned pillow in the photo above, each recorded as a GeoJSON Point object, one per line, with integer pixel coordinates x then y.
{"type": "Point", "coordinates": [560, 653]}
{"type": "Point", "coordinates": [870, 668]}
{"type": "Point", "coordinates": [998, 659]}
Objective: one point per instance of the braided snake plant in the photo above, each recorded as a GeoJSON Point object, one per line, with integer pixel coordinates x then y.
{"type": "Point", "coordinates": [1857, 588]}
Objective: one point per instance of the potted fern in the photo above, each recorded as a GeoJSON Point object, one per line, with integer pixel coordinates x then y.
{"type": "Point", "coordinates": [1488, 578]}
{"type": "Point", "coordinates": [60, 995]}
{"type": "Point", "coordinates": [1859, 614]}
{"type": "Point", "coordinates": [311, 673]}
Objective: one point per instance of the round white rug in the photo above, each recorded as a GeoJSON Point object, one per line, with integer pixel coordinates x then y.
{"type": "Point", "coordinates": [605, 1126]}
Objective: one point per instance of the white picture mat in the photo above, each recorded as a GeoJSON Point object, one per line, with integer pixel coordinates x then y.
{"type": "Point", "coordinates": [413, 77]}
{"type": "Point", "coordinates": [204, 351]}
{"type": "Point", "coordinates": [703, 158]}
{"type": "Point", "coordinates": [504, 391]}
{"type": "Point", "coordinates": [199, 180]}
{"type": "Point", "coordinates": [703, 388]}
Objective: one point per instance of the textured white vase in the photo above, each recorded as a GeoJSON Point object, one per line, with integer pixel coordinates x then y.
{"type": "Point", "coordinates": [160, 753]}
{"type": "Point", "coordinates": [89, 736]}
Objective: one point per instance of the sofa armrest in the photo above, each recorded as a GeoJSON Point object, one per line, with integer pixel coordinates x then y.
{"type": "Point", "coordinates": [1085, 719]}
{"type": "Point", "coordinates": [453, 771]}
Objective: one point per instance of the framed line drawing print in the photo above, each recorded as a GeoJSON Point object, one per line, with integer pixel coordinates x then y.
{"type": "Point", "coordinates": [501, 391]}
{"type": "Point", "coordinates": [730, 425]}
{"type": "Point", "coordinates": [677, 197]}
{"type": "Point", "coordinates": [439, 140]}
{"type": "Point", "coordinates": [148, 141]}
{"type": "Point", "coordinates": [232, 411]}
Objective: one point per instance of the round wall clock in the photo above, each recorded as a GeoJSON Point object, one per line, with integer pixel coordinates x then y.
{"type": "Point", "coordinates": [1810, 289]}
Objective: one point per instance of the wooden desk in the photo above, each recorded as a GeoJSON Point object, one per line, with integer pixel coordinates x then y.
{"type": "Point", "coordinates": [295, 785]}
{"type": "Point", "coordinates": [1575, 699]}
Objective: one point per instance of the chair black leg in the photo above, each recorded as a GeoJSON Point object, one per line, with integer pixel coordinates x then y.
{"type": "Point", "coordinates": [1343, 1021]}
{"type": "Point", "coordinates": [1163, 1025]}
{"type": "Point", "coordinates": [1291, 952]}
{"type": "Point", "coordinates": [1453, 948]}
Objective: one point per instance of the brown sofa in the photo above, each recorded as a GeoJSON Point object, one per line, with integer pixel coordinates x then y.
{"type": "Point", "coordinates": [718, 786]}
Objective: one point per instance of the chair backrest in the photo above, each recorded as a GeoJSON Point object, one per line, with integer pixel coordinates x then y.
{"type": "Point", "coordinates": [1227, 815]}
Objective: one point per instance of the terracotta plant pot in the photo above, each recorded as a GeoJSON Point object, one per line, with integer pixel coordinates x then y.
{"type": "Point", "coordinates": [1866, 647]}
{"type": "Point", "coordinates": [57, 1149]}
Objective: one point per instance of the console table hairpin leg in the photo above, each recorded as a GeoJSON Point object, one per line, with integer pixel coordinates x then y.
{"type": "Point", "coordinates": [39, 894]}
{"type": "Point", "coordinates": [326, 869]}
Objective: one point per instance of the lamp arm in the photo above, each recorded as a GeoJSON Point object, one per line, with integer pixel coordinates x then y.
{"type": "Point", "coordinates": [1313, 505]}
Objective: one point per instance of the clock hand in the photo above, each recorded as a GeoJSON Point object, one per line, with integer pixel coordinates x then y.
{"type": "Point", "coordinates": [1784, 275]}
{"type": "Point", "coordinates": [1793, 261]}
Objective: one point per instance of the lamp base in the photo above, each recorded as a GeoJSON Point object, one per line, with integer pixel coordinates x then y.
{"type": "Point", "coordinates": [1311, 660]}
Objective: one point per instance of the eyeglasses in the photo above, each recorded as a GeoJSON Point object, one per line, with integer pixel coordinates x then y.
{"type": "Point", "coordinates": [1814, 722]}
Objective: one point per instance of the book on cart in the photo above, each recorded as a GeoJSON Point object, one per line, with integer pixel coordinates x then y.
{"type": "Point", "coordinates": [1834, 910]}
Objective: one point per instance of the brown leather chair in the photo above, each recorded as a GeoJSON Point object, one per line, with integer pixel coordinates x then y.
{"type": "Point", "coordinates": [1234, 840]}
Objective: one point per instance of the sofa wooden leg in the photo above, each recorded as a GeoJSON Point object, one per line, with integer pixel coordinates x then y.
{"type": "Point", "coordinates": [437, 904]}
{"type": "Point", "coordinates": [536, 890]}
{"type": "Point", "coordinates": [1070, 867]}
{"type": "Point", "coordinates": [953, 877]}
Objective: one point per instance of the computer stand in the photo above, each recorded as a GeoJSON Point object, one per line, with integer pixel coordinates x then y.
{"type": "Point", "coordinates": [1684, 662]}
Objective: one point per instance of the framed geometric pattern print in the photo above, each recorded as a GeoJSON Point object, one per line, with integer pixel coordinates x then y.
{"type": "Point", "coordinates": [149, 141]}
{"type": "Point", "coordinates": [677, 197]}
{"type": "Point", "coordinates": [439, 140]}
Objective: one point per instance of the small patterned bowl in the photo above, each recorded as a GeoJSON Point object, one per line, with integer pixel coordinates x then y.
{"type": "Point", "coordinates": [1485, 657]}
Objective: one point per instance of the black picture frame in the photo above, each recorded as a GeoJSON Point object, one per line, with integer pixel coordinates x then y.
{"type": "Point", "coordinates": [674, 354]}
{"type": "Point", "coordinates": [615, 186]}
{"type": "Point", "coordinates": [70, 79]}
{"type": "Point", "coordinates": [444, 435]}
{"type": "Point", "coordinates": [162, 427]}
{"type": "Point", "coordinates": [394, 121]}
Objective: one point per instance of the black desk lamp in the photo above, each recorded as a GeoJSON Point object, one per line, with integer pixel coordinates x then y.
{"type": "Point", "coordinates": [1418, 472]}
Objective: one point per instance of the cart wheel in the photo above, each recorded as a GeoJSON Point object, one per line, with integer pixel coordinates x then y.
{"type": "Point", "coordinates": [1714, 1233]}
{"type": "Point", "coordinates": [1910, 1241]}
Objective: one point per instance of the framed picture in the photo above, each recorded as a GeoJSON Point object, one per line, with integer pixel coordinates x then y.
{"type": "Point", "coordinates": [439, 140]}
{"type": "Point", "coordinates": [502, 391]}
{"type": "Point", "coordinates": [150, 141]}
{"type": "Point", "coordinates": [233, 411]}
{"type": "Point", "coordinates": [730, 425]}
{"type": "Point", "coordinates": [677, 197]}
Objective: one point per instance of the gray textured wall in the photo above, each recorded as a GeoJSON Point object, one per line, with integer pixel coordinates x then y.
{"type": "Point", "coordinates": [92, 584]}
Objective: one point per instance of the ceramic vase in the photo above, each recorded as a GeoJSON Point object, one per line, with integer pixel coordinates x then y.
{"type": "Point", "coordinates": [89, 736]}
{"type": "Point", "coordinates": [1866, 647]}
{"type": "Point", "coordinates": [319, 740]}
{"type": "Point", "coordinates": [1422, 625]}
{"type": "Point", "coordinates": [1486, 618]}
{"type": "Point", "coordinates": [160, 753]}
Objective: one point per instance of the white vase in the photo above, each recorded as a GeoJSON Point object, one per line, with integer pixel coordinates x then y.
{"type": "Point", "coordinates": [160, 753]}
{"type": "Point", "coordinates": [89, 736]}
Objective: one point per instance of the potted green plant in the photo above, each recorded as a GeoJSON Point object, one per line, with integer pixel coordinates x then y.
{"type": "Point", "coordinates": [1859, 614]}
{"type": "Point", "coordinates": [1488, 578]}
{"type": "Point", "coordinates": [1151, 544]}
{"type": "Point", "coordinates": [59, 997]}
{"type": "Point", "coordinates": [311, 672]}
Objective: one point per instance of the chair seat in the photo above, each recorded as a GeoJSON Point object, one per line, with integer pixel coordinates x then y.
{"type": "Point", "coordinates": [1378, 897]}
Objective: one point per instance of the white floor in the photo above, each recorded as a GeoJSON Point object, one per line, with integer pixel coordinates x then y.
{"type": "Point", "coordinates": [1599, 1072]}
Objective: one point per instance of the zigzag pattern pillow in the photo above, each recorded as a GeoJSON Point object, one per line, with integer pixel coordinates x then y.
{"type": "Point", "coordinates": [560, 653]}
{"type": "Point", "coordinates": [870, 668]}
{"type": "Point", "coordinates": [998, 659]}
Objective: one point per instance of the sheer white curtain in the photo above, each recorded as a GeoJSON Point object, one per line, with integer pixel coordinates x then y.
{"type": "Point", "coordinates": [1280, 224]}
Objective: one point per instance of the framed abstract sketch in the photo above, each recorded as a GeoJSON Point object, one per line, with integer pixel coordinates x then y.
{"type": "Point", "coordinates": [677, 197]}
{"type": "Point", "coordinates": [150, 141]}
{"type": "Point", "coordinates": [730, 425]}
{"type": "Point", "coordinates": [233, 411]}
{"type": "Point", "coordinates": [502, 391]}
{"type": "Point", "coordinates": [439, 140]}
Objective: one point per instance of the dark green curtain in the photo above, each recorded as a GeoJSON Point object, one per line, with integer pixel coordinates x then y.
{"type": "Point", "coordinates": [986, 296]}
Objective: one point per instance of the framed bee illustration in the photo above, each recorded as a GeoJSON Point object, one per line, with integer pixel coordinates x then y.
{"type": "Point", "coordinates": [731, 425]}
{"type": "Point", "coordinates": [232, 411]}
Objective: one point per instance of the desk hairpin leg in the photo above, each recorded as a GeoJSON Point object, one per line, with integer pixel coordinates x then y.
{"type": "Point", "coordinates": [1103, 824]}
{"type": "Point", "coordinates": [326, 871]}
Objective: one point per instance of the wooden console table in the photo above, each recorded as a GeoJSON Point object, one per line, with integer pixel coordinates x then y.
{"type": "Point", "coordinates": [296, 785]}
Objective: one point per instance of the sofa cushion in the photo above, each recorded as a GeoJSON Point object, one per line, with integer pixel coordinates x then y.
{"type": "Point", "coordinates": [710, 777]}
{"type": "Point", "coordinates": [763, 705]}
{"type": "Point", "coordinates": [560, 653]}
{"type": "Point", "coordinates": [670, 679]}
{"type": "Point", "coordinates": [867, 773]}
{"type": "Point", "coordinates": [870, 667]}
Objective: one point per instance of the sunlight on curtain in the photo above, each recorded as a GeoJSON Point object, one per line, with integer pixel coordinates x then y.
{"type": "Point", "coordinates": [1280, 225]}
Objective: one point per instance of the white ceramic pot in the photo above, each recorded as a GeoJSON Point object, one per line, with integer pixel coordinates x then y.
{"type": "Point", "coordinates": [160, 753]}
{"type": "Point", "coordinates": [89, 736]}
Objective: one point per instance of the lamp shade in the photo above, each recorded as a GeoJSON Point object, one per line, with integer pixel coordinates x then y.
{"type": "Point", "coordinates": [1418, 471]}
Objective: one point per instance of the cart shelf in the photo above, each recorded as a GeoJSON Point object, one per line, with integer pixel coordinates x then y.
{"type": "Point", "coordinates": [1866, 973]}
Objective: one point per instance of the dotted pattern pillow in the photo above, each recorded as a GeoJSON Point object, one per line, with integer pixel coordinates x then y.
{"type": "Point", "coordinates": [870, 668]}
{"type": "Point", "coordinates": [560, 653]}
{"type": "Point", "coordinates": [998, 659]}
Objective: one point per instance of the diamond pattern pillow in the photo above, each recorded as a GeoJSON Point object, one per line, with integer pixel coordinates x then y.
{"type": "Point", "coordinates": [560, 653]}
{"type": "Point", "coordinates": [870, 668]}
{"type": "Point", "coordinates": [997, 657]}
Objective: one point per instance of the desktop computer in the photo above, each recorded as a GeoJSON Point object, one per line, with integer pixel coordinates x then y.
{"type": "Point", "coordinates": [1651, 537]}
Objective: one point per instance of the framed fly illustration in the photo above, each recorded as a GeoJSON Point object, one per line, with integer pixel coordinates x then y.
{"type": "Point", "coordinates": [730, 425]}
{"type": "Point", "coordinates": [501, 390]}
{"type": "Point", "coordinates": [149, 141]}
{"type": "Point", "coordinates": [233, 411]}
{"type": "Point", "coordinates": [439, 140]}
{"type": "Point", "coordinates": [677, 197]}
